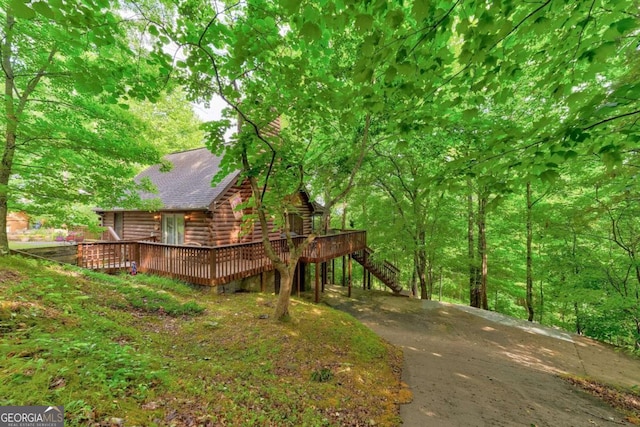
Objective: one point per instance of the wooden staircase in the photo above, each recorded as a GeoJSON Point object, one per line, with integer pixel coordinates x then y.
{"type": "Point", "coordinates": [383, 270]}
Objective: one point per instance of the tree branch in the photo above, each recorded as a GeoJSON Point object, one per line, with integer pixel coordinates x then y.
{"type": "Point", "coordinates": [356, 168]}
{"type": "Point", "coordinates": [433, 27]}
{"type": "Point", "coordinates": [33, 83]}
{"type": "Point", "coordinates": [398, 175]}
{"type": "Point", "coordinates": [584, 27]}
{"type": "Point", "coordinates": [610, 119]}
{"type": "Point", "coordinates": [233, 105]}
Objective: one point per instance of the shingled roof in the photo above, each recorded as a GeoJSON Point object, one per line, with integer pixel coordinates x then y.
{"type": "Point", "coordinates": [188, 184]}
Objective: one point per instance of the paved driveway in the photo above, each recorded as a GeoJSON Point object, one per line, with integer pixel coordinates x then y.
{"type": "Point", "coordinates": [466, 367]}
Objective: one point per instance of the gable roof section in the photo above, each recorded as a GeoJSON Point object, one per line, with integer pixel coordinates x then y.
{"type": "Point", "coordinates": [188, 184]}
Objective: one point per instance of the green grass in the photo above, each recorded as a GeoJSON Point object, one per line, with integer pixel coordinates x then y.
{"type": "Point", "coordinates": [157, 352]}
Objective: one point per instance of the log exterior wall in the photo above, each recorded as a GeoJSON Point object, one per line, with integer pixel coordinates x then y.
{"type": "Point", "coordinates": [215, 227]}
{"type": "Point", "coordinates": [136, 225]}
{"type": "Point", "coordinates": [226, 229]}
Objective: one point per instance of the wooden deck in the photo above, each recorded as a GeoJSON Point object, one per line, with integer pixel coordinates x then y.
{"type": "Point", "coordinates": [206, 265]}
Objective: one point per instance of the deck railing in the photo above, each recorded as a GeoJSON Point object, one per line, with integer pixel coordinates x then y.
{"type": "Point", "coordinates": [210, 265]}
{"type": "Point", "coordinates": [188, 263]}
{"type": "Point", "coordinates": [324, 248]}
{"type": "Point", "coordinates": [107, 256]}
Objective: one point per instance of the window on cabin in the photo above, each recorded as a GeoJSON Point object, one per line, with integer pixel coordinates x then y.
{"type": "Point", "coordinates": [173, 229]}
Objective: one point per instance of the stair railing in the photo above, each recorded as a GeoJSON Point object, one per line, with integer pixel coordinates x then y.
{"type": "Point", "coordinates": [385, 271]}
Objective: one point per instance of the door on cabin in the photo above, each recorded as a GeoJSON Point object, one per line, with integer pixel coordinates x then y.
{"type": "Point", "coordinates": [173, 229]}
{"type": "Point", "coordinates": [118, 224]}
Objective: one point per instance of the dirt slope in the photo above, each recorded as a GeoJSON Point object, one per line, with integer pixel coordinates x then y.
{"type": "Point", "coordinates": [468, 370]}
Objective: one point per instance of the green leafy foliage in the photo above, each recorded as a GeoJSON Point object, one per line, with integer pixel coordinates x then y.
{"type": "Point", "coordinates": [67, 140]}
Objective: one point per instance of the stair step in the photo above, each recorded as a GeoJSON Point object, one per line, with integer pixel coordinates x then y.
{"type": "Point", "coordinates": [384, 271]}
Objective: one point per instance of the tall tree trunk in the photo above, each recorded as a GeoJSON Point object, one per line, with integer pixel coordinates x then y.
{"type": "Point", "coordinates": [5, 173]}
{"type": "Point", "coordinates": [482, 251]}
{"type": "Point", "coordinates": [420, 260]}
{"type": "Point", "coordinates": [529, 255]}
{"type": "Point", "coordinates": [578, 322]}
{"type": "Point", "coordinates": [414, 287]}
{"type": "Point", "coordinates": [14, 105]}
{"type": "Point", "coordinates": [474, 301]}
{"type": "Point", "coordinates": [281, 311]}
{"type": "Point", "coordinates": [576, 271]}
{"type": "Point", "coordinates": [541, 305]}
{"type": "Point", "coordinates": [11, 127]}
{"type": "Point", "coordinates": [285, 267]}
{"type": "Point", "coordinates": [430, 279]}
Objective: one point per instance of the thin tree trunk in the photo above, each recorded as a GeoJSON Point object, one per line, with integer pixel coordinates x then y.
{"type": "Point", "coordinates": [430, 280]}
{"type": "Point", "coordinates": [420, 272]}
{"type": "Point", "coordinates": [541, 301]}
{"type": "Point", "coordinates": [473, 269]}
{"type": "Point", "coordinates": [482, 251]}
{"type": "Point", "coordinates": [576, 271]}
{"type": "Point", "coordinates": [414, 288]}
{"type": "Point", "coordinates": [420, 259]}
{"type": "Point", "coordinates": [529, 255]}
{"type": "Point", "coordinates": [541, 305]}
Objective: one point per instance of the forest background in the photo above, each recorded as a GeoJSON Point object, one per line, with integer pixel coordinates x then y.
{"type": "Point", "coordinates": [489, 148]}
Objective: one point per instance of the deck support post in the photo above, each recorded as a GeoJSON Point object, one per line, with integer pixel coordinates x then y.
{"type": "Point", "coordinates": [333, 271]}
{"type": "Point", "coordinates": [317, 284]}
{"type": "Point", "coordinates": [349, 279]}
{"type": "Point", "coordinates": [263, 282]}
{"type": "Point", "coordinates": [343, 270]}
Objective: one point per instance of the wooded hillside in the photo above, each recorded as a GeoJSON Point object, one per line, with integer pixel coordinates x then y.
{"type": "Point", "coordinates": [490, 148]}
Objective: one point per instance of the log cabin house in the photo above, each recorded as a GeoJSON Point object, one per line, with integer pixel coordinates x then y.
{"type": "Point", "coordinates": [199, 236]}
{"type": "Point", "coordinates": [193, 211]}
